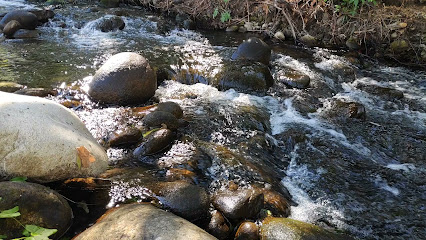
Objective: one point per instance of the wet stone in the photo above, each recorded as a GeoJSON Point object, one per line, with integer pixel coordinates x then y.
{"type": "Point", "coordinates": [295, 79]}
{"type": "Point", "coordinates": [239, 204]}
{"type": "Point", "coordinates": [170, 107]}
{"type": "Point", "coordinates": [386, 93]}
{"type": "Point", "coordinates": [155, 142]}
{"type": "Point", "coordinates": [158, 118]}
{"type": "Point", "coordinates": [37, 92]}
{"type": "Point", "coordinates": [289, 229]}
{"type": "Point", "coordinates": [340, 110]}
{"type": "Point", "coordinates": [11, 27]}
{"type": "Point", "coordinates": [183, 199]}
{"type": "Point", "coordinates": [24, 33]}
{"type": "Point", "coordinates": [10, 86]}
{"type": "Point", "coordinates": [124, 137]}
{"type": "Point", "coordinates": [174, 174]}
{"type": "Point", "coordinates": [218, 226]}
{"type": "Point", "coordinates": [37, 204]}
{"type": "Point", "coordinates": [247, 231]}
{"type": "Point", "coordinates": [253, 49]}
{"type": "Point", "coordinates": [276, 203]}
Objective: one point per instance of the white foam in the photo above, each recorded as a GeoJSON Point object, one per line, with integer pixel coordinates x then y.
{"type": "Point", "coordinates": [383, 184]}
{"type": "Point", "coordinates": [406, 167]}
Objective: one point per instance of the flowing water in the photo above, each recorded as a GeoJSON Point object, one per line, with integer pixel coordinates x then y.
{"type": "Point", "coordinates": [364, 176]}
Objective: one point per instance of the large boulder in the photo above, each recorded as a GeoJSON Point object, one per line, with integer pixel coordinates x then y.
{"type": "Point", "coordinates": [253, 49]}
{"type": "Point", "coordinates": [143, 221]}
{"type": "Point", "coordinates": [27, 19]}
{"type": "Point", "coordinates": [38, 205]}
{"type": "Point", "coordinates": [11, 27]}
{"type": "Point", "coordinates": [45, 141]}
{"type": "Point", "coordinates": [125, 78]}
{"type": "Point", "coordinates": [289, 229]}
{"type": "Point", "coordinates": [244, 76]}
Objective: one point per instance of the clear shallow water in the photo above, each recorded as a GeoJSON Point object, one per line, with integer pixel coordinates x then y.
{"type": "Point", "coordinates": [363, 177]}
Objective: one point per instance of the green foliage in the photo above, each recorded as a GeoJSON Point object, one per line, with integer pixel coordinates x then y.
{"type": "Point", "coordinates": [10, 213]}
{"type": "Point", "coordinates": [31, 232]}
{"type": "Point", "coordinates": [225, 14]}
{"type": "Point", "coordinates": [19, 179]}
{"type": "Point", "coordinates": [351, 6]}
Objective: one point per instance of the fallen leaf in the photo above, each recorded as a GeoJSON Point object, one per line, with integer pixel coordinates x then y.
{"type": "Point", "coordinates": [85, 157]}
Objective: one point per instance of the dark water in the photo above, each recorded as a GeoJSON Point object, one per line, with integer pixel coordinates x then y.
{"type": "Point", "coordinates": [362, 176]}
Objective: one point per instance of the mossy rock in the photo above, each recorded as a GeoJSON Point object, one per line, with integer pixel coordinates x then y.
{"type": "Point", "coordinates": [244, 76]}
{"type": "Point", "coordinates": [290, 229]}
{"type": "Point", "coordinates": [399, 46]}
{"type": "Point", "coordinates": [6, 86]}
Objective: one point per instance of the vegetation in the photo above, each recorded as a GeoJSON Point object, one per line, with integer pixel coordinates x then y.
{"type": "Point", "coordinates": [30, 232]}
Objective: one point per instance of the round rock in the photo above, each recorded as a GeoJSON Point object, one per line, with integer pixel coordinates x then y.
{"type": "Point", "coordinates": [239, 204]}
{"type": "Point", "coordinates": [184, 199]}
{"type": "Point", "coordinates": [126, 78]}
{"type": "Point", "coordinates": [244, 76]}
{"type": "Point", "coordinates": [41, 140]}
{"type": "Point", "coordinates": [155, 143]}
{"type": "Point", "coordinates": [143, 221]}
{"type": "Point", "coordinates": [158, 118]}
{"type": "Point", "coordinates": [37, 204]}
{"type": "Point", "coordinates": [247, 231]}
{"type": "Point", "coordinates": [27, 19]}
{"type": "Point", "coordinates": [170, 107]}
{"type": "Point", "coordinates": [253, 49]}
{"type": "Point", "coordinates": [11, 27]}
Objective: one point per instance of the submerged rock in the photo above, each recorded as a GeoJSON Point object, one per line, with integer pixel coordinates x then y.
{"type": "Point", "coordinates": [24, 33]}
{"type": "Point", "coordinates": [276, 203]}
{"type": "Point", "coordinates": [247, 231]}
{"type": "Point", "coordinates": [244, 76]}
{"type": "Point", "coordinates": [110, 24]}
{"type": "Point", "coordinates": [37, 204]}
{"type": "Point", "coordinates": [126, 78]}
{"type": "Point", "coordinates": [43, 15]}
{"type": "Point", "coordinates": [239, 204]}
{"type": "Point", "coordinates": [143, 221]}
{"type": "Point", "coordinates": [183, 199]}
{"type": "Point", "coordinates": [289, 229]}
{"type": "Point", "coordinates": [386, 93]}
{"type": "Point", "coordinates": [341, 110]}
{"type": "Point", "coordinates": [253, 49]}
{"type": "Point", "coordinates": [295, 79]}
{"type": "Point", "coordinates": [41, 140]}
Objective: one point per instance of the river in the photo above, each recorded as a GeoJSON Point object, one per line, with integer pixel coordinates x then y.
{"type": "Point", "coordinates": [362, 175]}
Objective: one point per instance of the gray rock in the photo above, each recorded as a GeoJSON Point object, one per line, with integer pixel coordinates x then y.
{"type": "Point", "coordinates": [239, 204]}
{"type": "Point", "coordinates": [184, 199]}
{"type": "Point", "coordinates": [253, 49]}
{"type": "Point", "coordinates": [279, 35]}
{"type": "Point", "coordinates": [125, 78]}
{"type": "Point", "coordinates": [27, 19]}
{"type": "Point", "coordinates": [43, 15]}
{"type": "Point", "coordinates": [309, 40]}
{"type": "Point", "coordinates": [37, 204]}
{"type": "Point", "coordinates": [232, 28]}
{"type": "Point", "coordinates": [143, 221]}
{"type": "Point", "coordinates": [39, 139]}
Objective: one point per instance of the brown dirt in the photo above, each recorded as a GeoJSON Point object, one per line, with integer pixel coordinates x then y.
{"type": "Point", "coordinates": [374, 28]}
